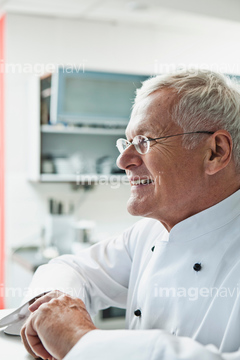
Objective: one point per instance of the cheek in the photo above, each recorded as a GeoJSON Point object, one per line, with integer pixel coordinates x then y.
{"type": "Point", "coordinates": [170, 177]}
{"type": "Point", "coordinates": [160, 168]}
{"type": "Point", "coordinates": [168, 166]}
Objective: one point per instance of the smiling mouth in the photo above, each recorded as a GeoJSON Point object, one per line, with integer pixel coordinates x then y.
{"type": "Point", "coordinates": [140, 182]}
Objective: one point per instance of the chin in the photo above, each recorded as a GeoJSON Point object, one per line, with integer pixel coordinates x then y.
{"type": "Point", "coordinates": [135, 208]}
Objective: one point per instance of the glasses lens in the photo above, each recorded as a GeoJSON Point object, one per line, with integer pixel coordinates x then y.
{"type": "Point", "coordinates": [141, 144]}
{"type": "Point", "coordinates": [122, 144]}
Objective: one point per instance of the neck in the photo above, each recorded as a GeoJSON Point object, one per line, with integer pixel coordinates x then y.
{"type": "Point", "coordinates": [208, 200]}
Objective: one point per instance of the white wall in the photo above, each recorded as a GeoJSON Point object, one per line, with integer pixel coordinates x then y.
{"type": "Point", "coordinates": [111, 47]}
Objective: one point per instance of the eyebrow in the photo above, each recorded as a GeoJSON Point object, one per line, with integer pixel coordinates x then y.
{"type": "Point", "coordinates": [142, 131]}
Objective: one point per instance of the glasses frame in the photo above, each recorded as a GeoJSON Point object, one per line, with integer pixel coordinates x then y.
{"type": "Point", "coordinates": [159, 138]}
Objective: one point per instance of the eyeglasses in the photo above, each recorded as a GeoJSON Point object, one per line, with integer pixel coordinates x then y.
{"type": "Point", "coordinates": [142, 143]}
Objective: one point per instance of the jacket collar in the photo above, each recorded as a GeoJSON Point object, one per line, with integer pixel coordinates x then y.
{"type": "Point", "coordinates": [207, 220]}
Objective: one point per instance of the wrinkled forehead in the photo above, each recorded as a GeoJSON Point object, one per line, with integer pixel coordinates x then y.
{"type": "Point", "coordinates": [151, 114]}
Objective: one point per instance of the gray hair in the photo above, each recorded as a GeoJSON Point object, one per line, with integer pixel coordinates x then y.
{"type": "Point", "coordinates": [206, 101]}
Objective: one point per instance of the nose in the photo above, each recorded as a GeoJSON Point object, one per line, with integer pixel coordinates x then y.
{"type": "Point", "coordinates": [129, 158]}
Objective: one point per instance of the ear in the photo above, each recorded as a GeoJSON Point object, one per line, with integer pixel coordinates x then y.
{"type": "Point", "coordinates": [219, 152]}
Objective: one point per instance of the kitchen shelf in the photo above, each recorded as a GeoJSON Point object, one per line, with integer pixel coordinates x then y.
{"type": "Point", "coordinates": [84, 178]}
{"type": "Point", "coordinates": [61, 129]}
{"type": "Point", "coordinates": [58, 151]}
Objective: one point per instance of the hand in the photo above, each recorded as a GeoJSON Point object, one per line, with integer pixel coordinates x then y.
{"type": "Point", "coordinates": [57, 323]}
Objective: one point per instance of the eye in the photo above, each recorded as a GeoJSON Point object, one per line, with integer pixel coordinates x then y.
{"type": "Point", "coordinates": [139, 139]}
{"type": "Point", "coordinates": [141, 143]}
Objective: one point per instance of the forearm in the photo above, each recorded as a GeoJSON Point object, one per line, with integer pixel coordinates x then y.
{"type": "Point", "coordinates": [143, 345]}
{"type": "Point", "coordinates": [56, 277]}
{"type": "Point", "coordinates": [98, 276]}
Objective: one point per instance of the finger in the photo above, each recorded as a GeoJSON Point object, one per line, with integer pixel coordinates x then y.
{"type": "Point", "coordinates": [44, 299]}
{"type": "Point", "coordinates": [25, 343]}
{"type": "Point", "coordinates": [37, 347]}
{"type": "Point", "coordinates": [34, 342]}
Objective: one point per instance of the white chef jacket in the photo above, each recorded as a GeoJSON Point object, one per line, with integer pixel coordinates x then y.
{"type": "Point", "coordinates": [187, 311]}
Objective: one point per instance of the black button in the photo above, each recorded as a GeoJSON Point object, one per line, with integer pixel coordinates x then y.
{"type": "Point", "coordinates": [153, 248]}
{"type": "Point", "coordinates": [197, 266]}
{"type": "Point", "coordinates": [137, 312]}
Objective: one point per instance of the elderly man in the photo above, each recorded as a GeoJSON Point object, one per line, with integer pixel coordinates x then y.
{"type": "Point", "coordinates": [176, 272]}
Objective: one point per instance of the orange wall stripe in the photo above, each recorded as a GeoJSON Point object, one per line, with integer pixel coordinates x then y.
{"type": "Point", "coordinates": [2, 229]}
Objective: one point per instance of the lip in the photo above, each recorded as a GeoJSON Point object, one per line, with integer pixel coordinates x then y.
{"type": "Point", "coordinates": [138, 181]}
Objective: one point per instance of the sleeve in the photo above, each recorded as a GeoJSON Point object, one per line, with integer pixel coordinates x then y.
{"type": "Point", "coordinates": [99, 275]}
{"type": "Point", "coordinates": [143, 345]}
